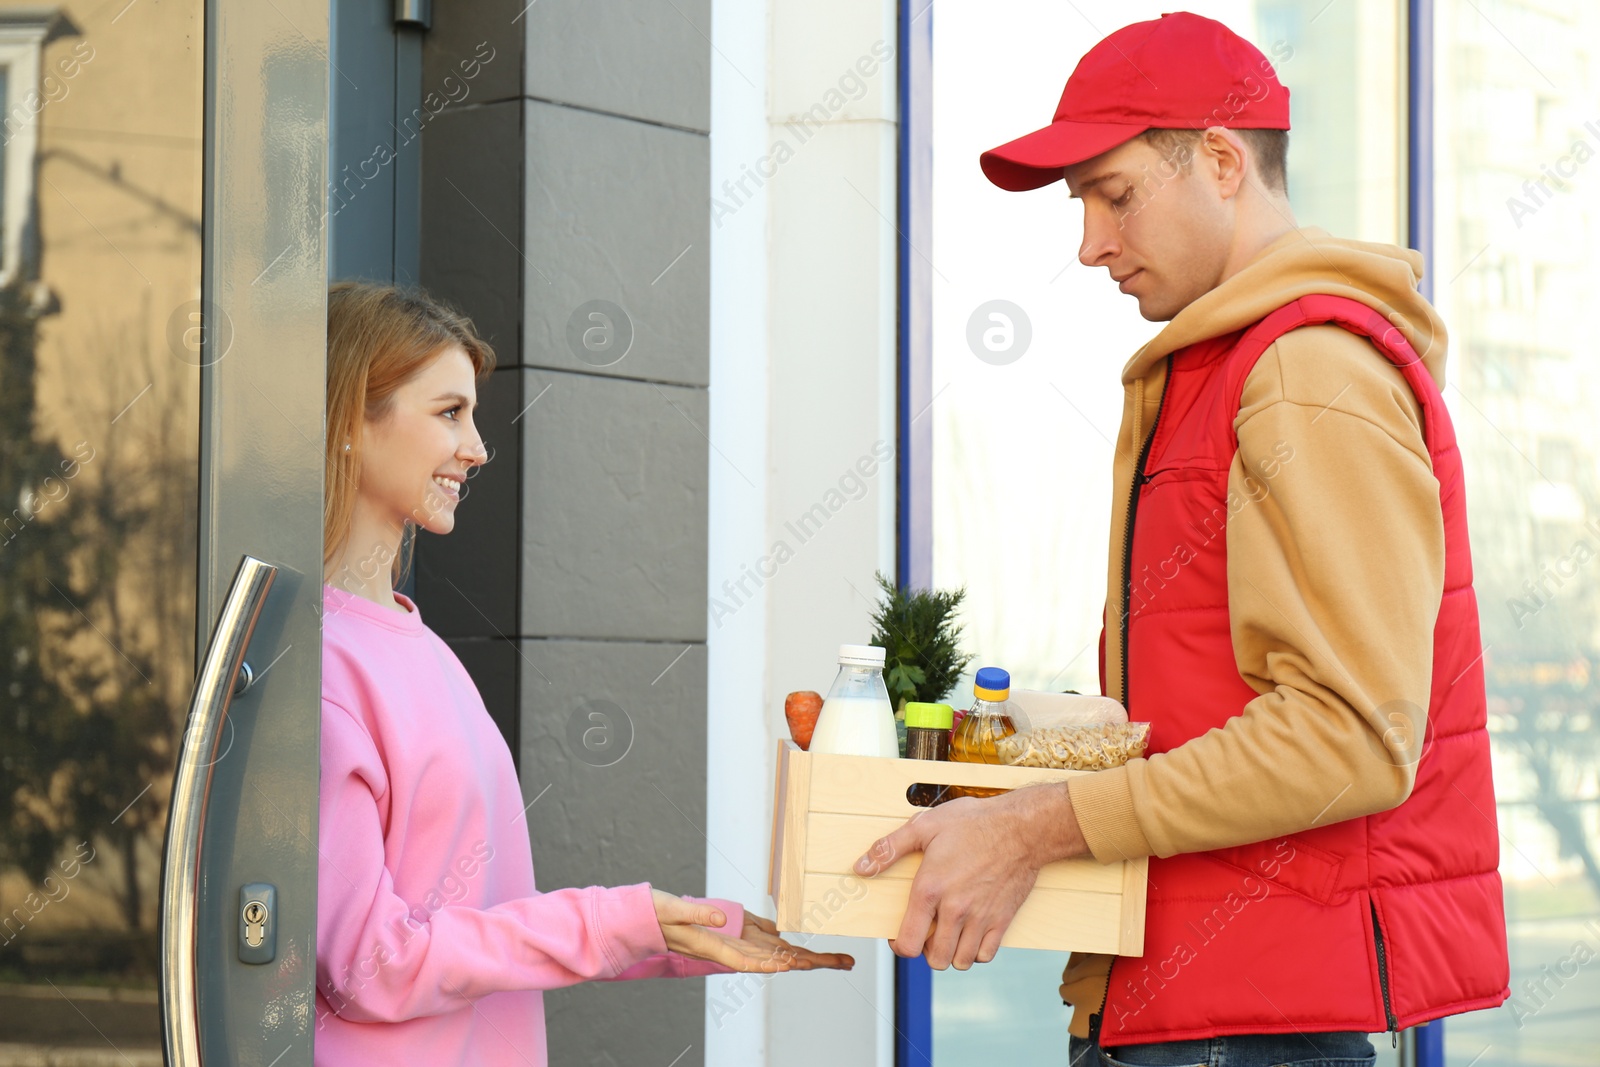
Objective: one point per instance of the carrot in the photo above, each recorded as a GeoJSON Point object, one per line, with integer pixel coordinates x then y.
{"type": "Point", "coordinates": [801, 708]}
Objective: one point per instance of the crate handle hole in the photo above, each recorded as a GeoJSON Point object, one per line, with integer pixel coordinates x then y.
{"type": "Point", "coordinates": [932, 794]}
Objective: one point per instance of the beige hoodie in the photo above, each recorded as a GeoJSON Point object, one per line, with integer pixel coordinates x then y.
{"type": "Point", "coordinates": [1332, 622]}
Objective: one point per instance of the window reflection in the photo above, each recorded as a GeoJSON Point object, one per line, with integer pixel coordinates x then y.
{"type": "Point", "coordinates": [1515, 263]}
{"type": "Point", "coordinates": [100, 200]}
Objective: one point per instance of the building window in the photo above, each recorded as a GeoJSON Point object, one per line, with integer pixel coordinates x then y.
{"type": "Point", "coordinates": [22, 35]}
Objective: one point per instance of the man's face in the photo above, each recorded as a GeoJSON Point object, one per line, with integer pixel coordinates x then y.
{"type": "Point", "coordinates": [1161, 229]}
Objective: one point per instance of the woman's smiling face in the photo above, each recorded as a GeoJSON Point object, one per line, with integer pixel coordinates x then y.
{"type": "Point", "coordinates": [414, 460]}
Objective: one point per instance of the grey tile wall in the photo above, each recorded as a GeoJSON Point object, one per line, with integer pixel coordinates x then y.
{"type": "Point", "coordinates": [566, 208]}
{"type": "Point", "coordinates": [469, 577]}
{"type": "Point", "coordinates": [647, 59]}
{"type": "Point", "coordinates": [609, 1024]}
{"type": "Point", "coordinates": [613, 508]}
{"type": "Point", "coordinates": [472, 203]}
{"type": "Point", "coordinates": [612, 729]}
{"type": "Point", "coordinates": [462, 30]}
{"type": "Point", "coordinates": [616, 212]}
{"type": "Point", "coordinates": [614, 761]}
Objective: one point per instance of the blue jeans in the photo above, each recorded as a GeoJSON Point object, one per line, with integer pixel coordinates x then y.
{"type": "Point", "coordinates": [1338, 1049]}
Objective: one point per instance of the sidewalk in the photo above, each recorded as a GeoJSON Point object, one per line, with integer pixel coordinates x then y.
{"type": "Point", "coordinates": [79, 1026]}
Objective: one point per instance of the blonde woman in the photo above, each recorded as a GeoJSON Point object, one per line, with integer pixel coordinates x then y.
{"type": "Point", "coordinates": [432, 942]}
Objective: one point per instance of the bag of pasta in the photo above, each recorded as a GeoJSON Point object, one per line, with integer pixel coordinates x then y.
{"type": "Point", "coordinates": [1091, 747]}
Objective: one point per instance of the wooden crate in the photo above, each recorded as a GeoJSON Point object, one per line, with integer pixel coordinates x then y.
{"type": "Point", "coordinates": [830, 809]}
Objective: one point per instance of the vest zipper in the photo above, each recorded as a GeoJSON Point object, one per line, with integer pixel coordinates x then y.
{"type": "Point", "coordinates": [1127, 559]}
{"type": "Point", "coordinates": [1139, 479]}
{"type": "Point", "coordinates": [1383, 977]}
{"type": "Point", "coordinates": [1097, 1020]}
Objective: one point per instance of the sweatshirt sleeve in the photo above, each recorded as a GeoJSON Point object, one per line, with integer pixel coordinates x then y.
{"type": "Point", "coordinates": [381, 959]}
{"type": "Point", "coordinates": [1335, 577]}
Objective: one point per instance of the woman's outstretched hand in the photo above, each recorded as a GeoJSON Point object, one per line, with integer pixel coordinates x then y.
{"type": "Point", "coordinates": [693, 930]}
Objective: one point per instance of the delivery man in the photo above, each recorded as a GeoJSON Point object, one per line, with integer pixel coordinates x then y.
{"type": "Point", "coordinates": [1289, 603]}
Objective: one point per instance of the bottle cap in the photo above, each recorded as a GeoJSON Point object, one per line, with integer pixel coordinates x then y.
{"type": "Point", "coordinates": [862, 655]}
{"type": "Point", "coordinates": [991, 683]}
{"type": "Point", "coordinates": [921, 716]}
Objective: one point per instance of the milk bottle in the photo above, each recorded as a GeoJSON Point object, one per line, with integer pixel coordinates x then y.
{"type": "Point", "coordinates": [857, 718]}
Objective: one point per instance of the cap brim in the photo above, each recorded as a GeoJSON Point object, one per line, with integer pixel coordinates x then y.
{"type": "Point", "coordinates": [1038, 158]}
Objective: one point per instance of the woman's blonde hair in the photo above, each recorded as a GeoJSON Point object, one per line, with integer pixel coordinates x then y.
{"type": "Point", "coordinates": [379, 337]}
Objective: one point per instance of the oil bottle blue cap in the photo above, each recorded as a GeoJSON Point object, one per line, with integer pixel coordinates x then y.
{"type": "Point", "coordinates": [992, 678]}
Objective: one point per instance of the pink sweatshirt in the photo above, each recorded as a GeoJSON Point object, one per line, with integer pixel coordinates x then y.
{"type": "Point", "coordinates": [432, 942]}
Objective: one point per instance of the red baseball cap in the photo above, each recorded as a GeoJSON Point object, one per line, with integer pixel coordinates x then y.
{"type": "Point", "coordinates": [1180, 71]}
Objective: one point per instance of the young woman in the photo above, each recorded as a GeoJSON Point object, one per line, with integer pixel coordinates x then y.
{"type": "Point", "coordinates": [432, 942]}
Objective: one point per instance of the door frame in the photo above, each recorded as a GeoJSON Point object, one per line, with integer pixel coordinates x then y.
{"type": "Point", "coordinates": [262, 387]}
{"type": "Point", "coordinates": [913, 979]}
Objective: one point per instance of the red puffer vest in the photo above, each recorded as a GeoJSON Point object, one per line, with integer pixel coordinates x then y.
{"type": "Point", "coordinates": [1375, 923]}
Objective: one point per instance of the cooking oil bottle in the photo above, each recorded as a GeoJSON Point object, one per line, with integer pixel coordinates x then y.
{"type": "Point", "coordinates": [990, 719]}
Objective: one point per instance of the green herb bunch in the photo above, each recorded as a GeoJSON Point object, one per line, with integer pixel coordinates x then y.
{"type": "Point", "coordinates": [922, 642]}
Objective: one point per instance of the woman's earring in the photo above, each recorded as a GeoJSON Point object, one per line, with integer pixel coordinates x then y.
{"type": "Point", "coordinates": [347, 446]}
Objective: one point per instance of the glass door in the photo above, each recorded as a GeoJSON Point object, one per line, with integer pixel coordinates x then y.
{"type": "Point", "coordinates": [1517, 127]}
{"type": "Point", "coordinates": [161, 330]}
{"type": "Point", "coordinates": [1036, 575]}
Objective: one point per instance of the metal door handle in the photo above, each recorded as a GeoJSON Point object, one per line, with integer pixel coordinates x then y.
{"type": "Point", "coordinates": [186, 815]}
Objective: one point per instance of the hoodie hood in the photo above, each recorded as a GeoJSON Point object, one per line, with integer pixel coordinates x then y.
{"type": "Point", "coordinates": [1304, 262]}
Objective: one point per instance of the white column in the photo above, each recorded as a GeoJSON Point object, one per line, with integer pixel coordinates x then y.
{"type": "Point", "coordinates": [802, 473]}
{"type": "Point", "coordinates": [740, 735]}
